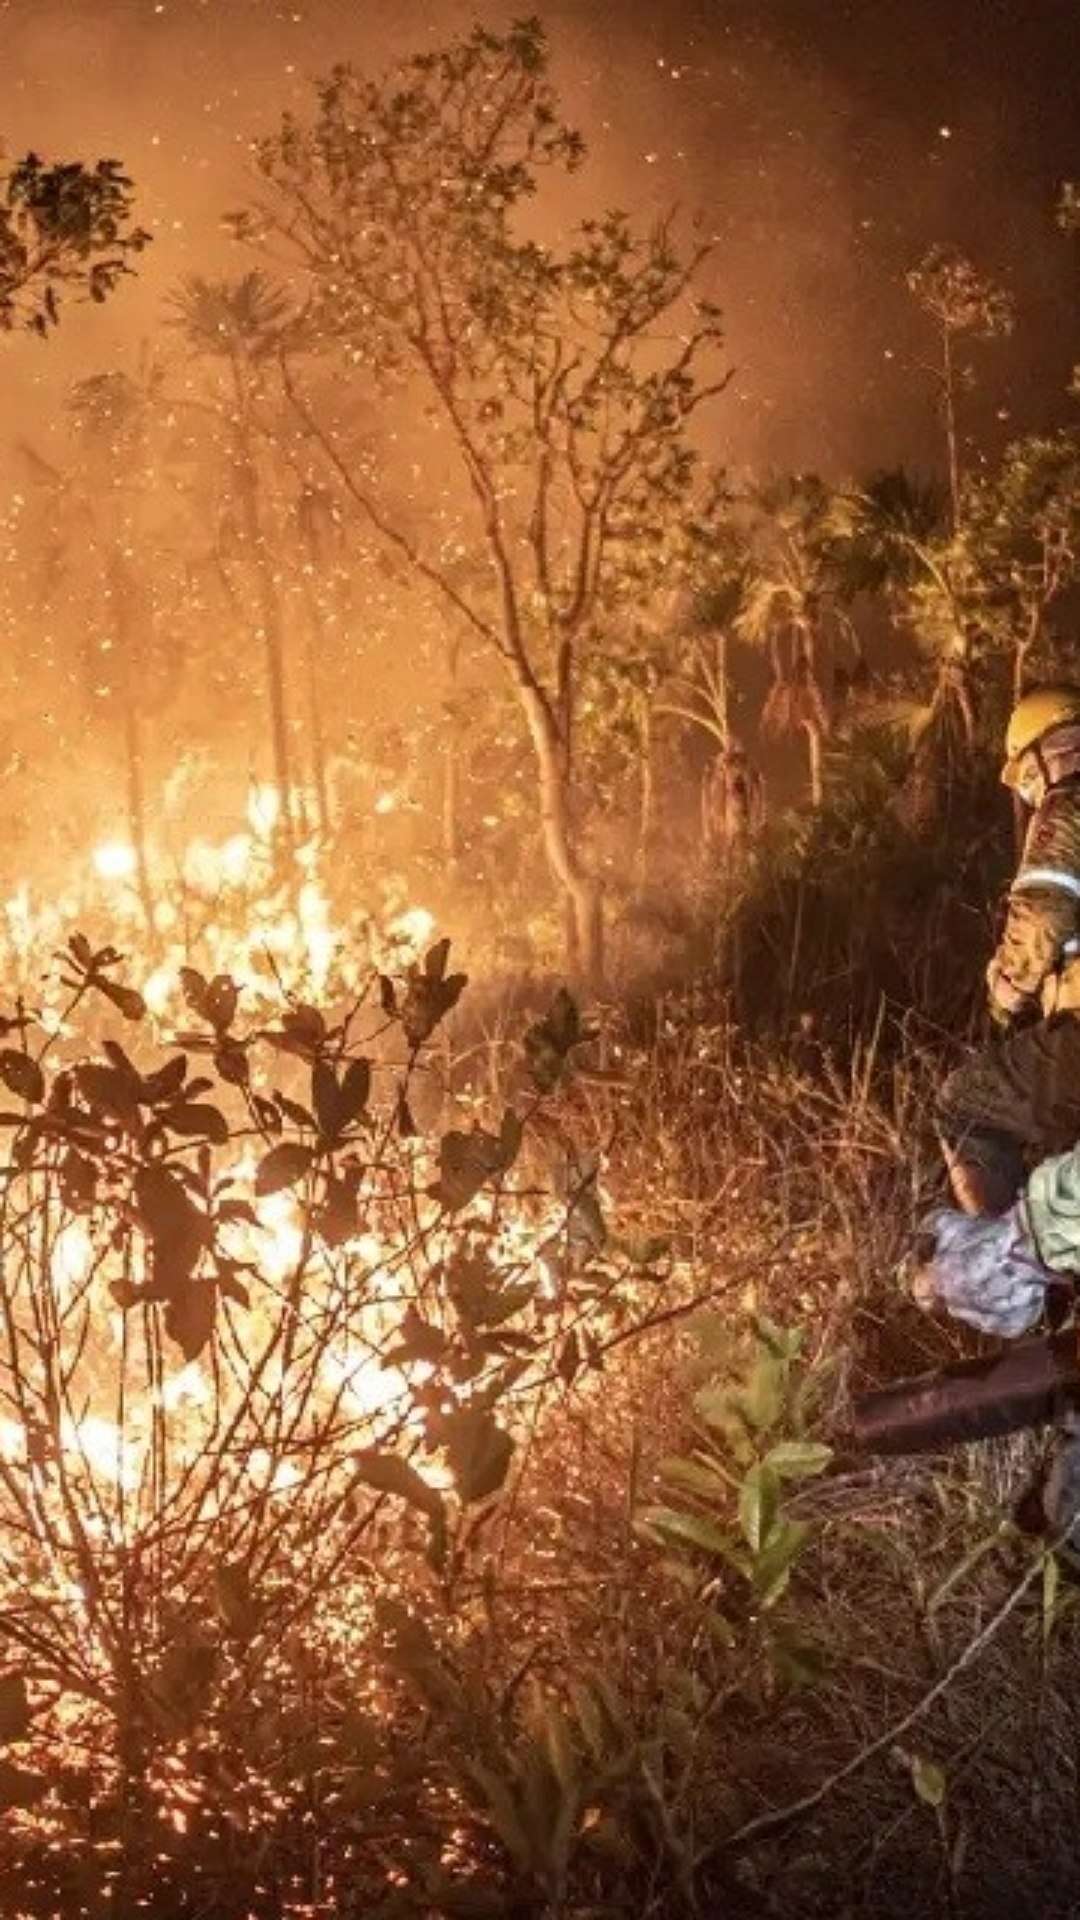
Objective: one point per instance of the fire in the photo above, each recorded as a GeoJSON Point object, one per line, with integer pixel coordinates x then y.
{"type": "Point", "coordinates": [115, 860]}
{"type": "Point", "coordinates": [162, 1452]}
{"type": "Point", "coordinates": [264, 810]}
{"type": "Point", "coordinates": [226, 905]}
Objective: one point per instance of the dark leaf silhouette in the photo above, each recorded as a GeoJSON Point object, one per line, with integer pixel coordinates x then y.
{"type": "Point", "coordinates": [189, 1316]}
{"type": "Point", "coordinates": [283, 1166]}
{"type": "Point", "coordinates": [22, 1075]}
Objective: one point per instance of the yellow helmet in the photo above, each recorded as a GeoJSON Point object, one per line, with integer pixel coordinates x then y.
{"type": "Point", "coordinates": [1036, 715]}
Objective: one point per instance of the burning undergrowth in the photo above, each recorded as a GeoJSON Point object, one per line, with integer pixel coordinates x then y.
{"type": "Point", "coordinates": [267, 1354]}
{"type": "Point", "coordinates": [273, 915]}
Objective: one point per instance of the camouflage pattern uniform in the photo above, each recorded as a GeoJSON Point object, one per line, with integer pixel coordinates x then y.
{"type": "Point", "coordinates": [1021, 1096]}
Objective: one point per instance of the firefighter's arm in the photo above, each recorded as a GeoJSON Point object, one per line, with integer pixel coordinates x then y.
{"type": "Point", "coordinates": [1040, 920]}
{"type": "Point", "coordinates": [994, 1271]}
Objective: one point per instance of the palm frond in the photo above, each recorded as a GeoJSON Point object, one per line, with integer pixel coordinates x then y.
{"type": "Point", "coordinates": [250, 316]}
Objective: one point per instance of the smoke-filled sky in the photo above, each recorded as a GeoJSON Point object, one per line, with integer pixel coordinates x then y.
{"type": "Point", "coordinates": [827, 143]}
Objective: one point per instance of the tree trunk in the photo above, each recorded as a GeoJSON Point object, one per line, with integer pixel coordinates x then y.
{"type": "Point", "coordinates": [315, 640]}
{"type": "Point", "coordinates": [269, 610]}
{"type": "Point", "coordinates": [583, 893]}
{"type": "Point", "coordinates": [136, 805]}
{"type": "Point", "coordinates": [647, 790]}
{"type": "Point", "coordinates": [451, 794]}
{"type": "Point", "coordinates": [575, 951]}
{"type": "Point", "coordinates": [121, 596]}
{"type": "Point", "coordinates": [948, 406]}
{"type": "Point", "coordinates": [274, 651]}
{"type": "Point", "coordinates": [815, 747]}
{"type": "Point", "coordinates": [722, 687]}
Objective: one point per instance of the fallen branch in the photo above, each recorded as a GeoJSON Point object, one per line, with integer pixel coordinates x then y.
{"type": "Point", "coordinates": [781, 1817]}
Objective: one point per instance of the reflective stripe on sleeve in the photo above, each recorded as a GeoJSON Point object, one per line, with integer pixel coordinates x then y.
{"type": "Point", "coordinates": [1047, 877]}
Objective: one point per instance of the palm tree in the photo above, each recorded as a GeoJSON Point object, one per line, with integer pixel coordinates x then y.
{"type": "Point", "coordinates": [732, 791]}
{"type": "Point", "coordinates": [959, 302]}
{"type": "Point", "coordinates": [104, 508]}
{"type": "Point", "coordinates": [895, 537]}
{"type": "Point", "coordinates": [114, 420]}
{"type": "Point", "coordinates": [248, 324]}
{"type": "Point", "coordinates": [792, 594]}
{"type": "Point", "coordinates": [316, 530]}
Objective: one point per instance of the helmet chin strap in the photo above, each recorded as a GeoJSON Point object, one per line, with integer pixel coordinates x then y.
{"type": "Point", "coordinates": [1034, 777]}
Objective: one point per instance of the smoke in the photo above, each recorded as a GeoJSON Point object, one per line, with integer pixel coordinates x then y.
{"type": "Point", "coordinates": [820, 150]}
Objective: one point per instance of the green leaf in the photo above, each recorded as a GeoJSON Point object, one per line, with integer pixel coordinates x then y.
{"type": "Point", "coordinates": [78, 1182]}
{"type": "Point", "coordinates": [772, 1566]}
{"type": "Point", "coordinates": [798, 1459]}
{"type": "Point", "coordinates": [700, 1477]}
{"type": "Point", "coordinates": [164, 1084]}
{"type": "Point", "coordinates": [428, 999]}
{"type": "Point", "coordinates": [762, 1399]}
{"type": "Point", "coordinates": [719, 1408]}
{"type": "Point", "coordinates": [305, 1024]}
{"type": "Point", "coordinates": [664, 1525]}
{"type": "Point", "coordinates": [758, 1505]}
{"type": "Point", "coordinates": [337, 1218]}
{"type": "Point", "coordinates": [785, 1343]}
{"type": "Point", "coordinates": [284, 1166]}
{"type": "Point", "coordinates": [928, 1780]}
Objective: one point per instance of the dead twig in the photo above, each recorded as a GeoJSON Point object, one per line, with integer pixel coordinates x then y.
{"type": "Point", "coordinates": [782, 1817]}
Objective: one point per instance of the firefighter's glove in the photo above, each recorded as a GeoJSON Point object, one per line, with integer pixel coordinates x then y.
{"type": "Point", "coordinates": [984, 1270]}
{"type": "Point", "coordinates": [1006, 1001]}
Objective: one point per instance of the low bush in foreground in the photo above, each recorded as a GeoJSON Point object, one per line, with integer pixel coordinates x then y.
{"type": "Point", "coordinates": [420, 1502]}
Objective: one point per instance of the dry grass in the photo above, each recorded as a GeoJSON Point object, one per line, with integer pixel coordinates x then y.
{"type": "Point", "coordinates": [796, 1189]}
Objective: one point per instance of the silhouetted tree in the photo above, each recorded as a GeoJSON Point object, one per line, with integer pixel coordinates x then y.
{"type": "Point", "coordinates": [245, 324]}
{"type": "Point", "coordinates": [959, 302]}
{"type": "Point", "coordinates": [64, 229]}
{"type": "Point", "coordinates": [557, 385]}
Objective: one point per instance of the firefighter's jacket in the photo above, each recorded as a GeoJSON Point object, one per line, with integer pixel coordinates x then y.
{"type": "Point", "coordinates": [1038, 956]}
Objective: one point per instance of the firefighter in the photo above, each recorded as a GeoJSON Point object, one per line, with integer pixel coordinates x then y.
{"type": "Point", "coordinates": [1009, 1252]}
{"type": "Point", "coordinates": [1020, 1097]}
